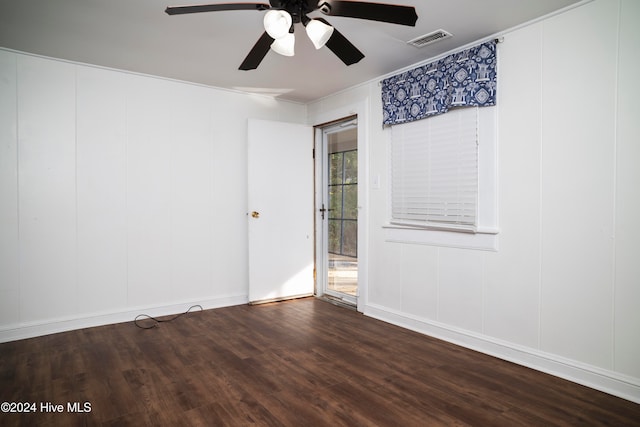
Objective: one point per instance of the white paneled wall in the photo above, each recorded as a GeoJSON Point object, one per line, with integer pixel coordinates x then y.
{"type": "Point", "coordinates": [418, 272]}
{"type": "Point", "coordinates": [47, 189]}
{"type": "Point", "coordinates": [626, 349]}
{"type": "Point", "coordinates": [460, 290]}
{"type": "Point", "coordinates": [102, 190]}
{"type": "Point", "coordinates": [119, 193]}
{"type": "Point", "coordinates": [149, 182]}
{"type": "Point", "coordinates": [511, 308]}
{"type": "Point", "coordinates": [577, 185]}
{"type": "Point", "coordinates": [562, 292]}
{"type": "Point", "coordinates": [9, 260]}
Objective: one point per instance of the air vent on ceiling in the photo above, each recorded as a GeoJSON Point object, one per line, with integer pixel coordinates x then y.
{"type": "Point", "coordinates": [432, 37]}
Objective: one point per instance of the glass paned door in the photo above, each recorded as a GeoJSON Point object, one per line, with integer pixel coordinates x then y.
{"type": "Point", "coordinates": [342, 218]}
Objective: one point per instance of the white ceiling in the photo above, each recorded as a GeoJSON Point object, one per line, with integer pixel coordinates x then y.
{"type": "Point", "coordinates": [207, 48]}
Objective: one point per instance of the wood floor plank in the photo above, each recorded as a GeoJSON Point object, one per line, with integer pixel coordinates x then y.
{"type": "Point", "coordinates": [297, 363]}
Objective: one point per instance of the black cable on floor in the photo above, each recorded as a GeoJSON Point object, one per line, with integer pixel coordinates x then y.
{"type": "Point", "coordinates": [157, 321]}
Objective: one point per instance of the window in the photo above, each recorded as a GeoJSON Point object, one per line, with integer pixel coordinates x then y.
{"type": "Point", "coordinates": [434, 171]}
{"type": "Point", "coordinates": [343, 203]}
{"type": "Point", "coordinates": [443, 180]}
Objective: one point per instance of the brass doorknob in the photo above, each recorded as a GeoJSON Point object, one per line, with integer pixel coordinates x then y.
{"type": "Point", "coordinates": [255, 214]}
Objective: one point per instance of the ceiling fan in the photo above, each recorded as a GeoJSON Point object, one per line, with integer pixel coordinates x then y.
{"type": "Point", "coordinates": [283, 14]}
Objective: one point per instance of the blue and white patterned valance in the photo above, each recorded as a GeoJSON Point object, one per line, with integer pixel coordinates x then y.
{"type": "Point", "coordinates": [467, 78]}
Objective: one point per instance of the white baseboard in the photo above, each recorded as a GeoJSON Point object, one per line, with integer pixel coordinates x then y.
{"type": "Point", "coordinates": [597, 378]}
{"type": "Point", "coordinates": [51, 326]}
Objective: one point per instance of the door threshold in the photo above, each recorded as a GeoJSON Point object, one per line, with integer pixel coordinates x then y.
{"type": "Point", "coordinates": [337, 301]}
{"type": "Point", "coordinates": [280, 299]}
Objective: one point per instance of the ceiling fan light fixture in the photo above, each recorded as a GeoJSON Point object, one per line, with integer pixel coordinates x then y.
{"type": "Point", "coordinates": [284, 45]}
{"type": "Point", "coordinates": [277, 23]}
{"type": "Point", "coordinates": [281, 15]}
{"type": "Point", "coordinates": [319, 32]}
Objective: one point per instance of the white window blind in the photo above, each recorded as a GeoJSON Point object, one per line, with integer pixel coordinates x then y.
{"type": "Point", "coordinates": [434, 171]}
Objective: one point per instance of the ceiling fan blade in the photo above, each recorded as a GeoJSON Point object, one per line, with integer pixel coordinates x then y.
{"type": "Point", "coordinates": [394, 14]}
{"type": "Point", "coordinates": [178, 10]}
{"type": "Point", "coordinates": [257, 53]}
{"type": "Point", "coordinates": [343, 48]}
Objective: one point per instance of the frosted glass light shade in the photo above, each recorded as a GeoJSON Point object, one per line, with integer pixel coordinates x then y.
{"type": "Point", "coordinates": [277, 23]}
{"type": "Point", "coordinates": [284, 45]}
{"type": "Point", "coordinates": [319, 32]}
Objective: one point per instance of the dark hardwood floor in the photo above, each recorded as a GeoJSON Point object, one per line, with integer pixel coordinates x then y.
{"type": "Point", "coordinates": [297, 363]}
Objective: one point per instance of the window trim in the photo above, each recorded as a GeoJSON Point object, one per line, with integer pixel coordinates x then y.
{"type": "Point", "coordinates": [485, 236]}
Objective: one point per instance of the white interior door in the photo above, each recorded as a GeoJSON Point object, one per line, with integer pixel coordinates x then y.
{"type": "Point", "coordinates": [280, 202]}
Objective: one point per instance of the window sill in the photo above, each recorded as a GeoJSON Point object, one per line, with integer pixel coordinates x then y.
{"type": "Point", "coordinates": [485, 238]}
